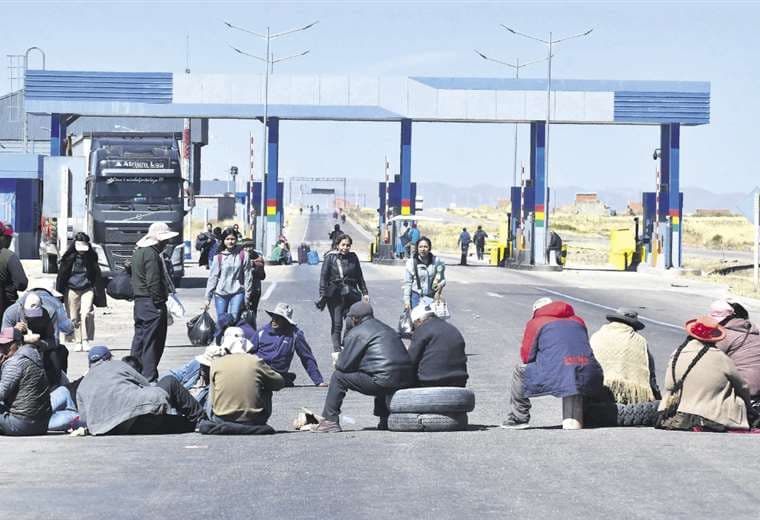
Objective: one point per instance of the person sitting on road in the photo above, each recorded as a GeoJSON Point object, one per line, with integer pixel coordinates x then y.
{"type": "Point", "coordinates": [24, 390]}
{"type": "Point", "coordinates": [437, 350]}
{"type": "Point", "coordinates": [556, 360]}
{"type": "Point", "coordinates": [277, 341]}
{"type": "Point", "coordinates": [703, 391]}
{"type": "Point", "coordinates": [113, 398]}
{"type": "Point", "coordinates": [373, 362]}
{"type": "Point", "coordinates": [241, 383]}
{"type": "Point", "coordinates": [629, 371]}
{"type": "Point", "coordinates": [38, 311]}
{"type": "Point", "coordinates": [424, 276]}
{"type": "Point", "coordinates": [741, 344]}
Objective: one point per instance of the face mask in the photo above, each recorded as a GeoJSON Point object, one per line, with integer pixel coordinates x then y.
{"type": "Point", "coordinates": [39, 325]}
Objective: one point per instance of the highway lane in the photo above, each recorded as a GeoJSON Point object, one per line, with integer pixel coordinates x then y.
{"type": "Point", "coordinates": [487, 472]}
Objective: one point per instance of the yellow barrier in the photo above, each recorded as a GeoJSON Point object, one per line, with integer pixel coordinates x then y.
{"type": "Point", "coordinates": [622, 247]}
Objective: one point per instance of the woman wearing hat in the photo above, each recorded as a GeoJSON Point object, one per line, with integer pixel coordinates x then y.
{"type": "Point", "coordinates": [77, 278]}
{"type": "Point", "coordinates": [24, 389]}
{"type": "Point", "coordinates": [703, 389]}
{"type": "Point", "coordinates": [230, 278]}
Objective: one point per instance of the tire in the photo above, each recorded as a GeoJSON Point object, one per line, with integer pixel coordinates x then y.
{"type": "Point", "coordinates": [412, 422]}
{"type": "Point", "coordinates": [434, 399]}
{"type": "Point", "coordinates": [642, 414]}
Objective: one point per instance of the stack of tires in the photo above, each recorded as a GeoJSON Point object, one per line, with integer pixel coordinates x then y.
{"type": "Point", "coordinates": [432, 409]}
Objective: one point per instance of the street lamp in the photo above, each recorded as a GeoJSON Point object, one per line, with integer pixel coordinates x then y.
{"type": "Point", "coordinates": [516, 66]}
{"type": "Point", "coordinates": [269, 61]}
{"type": "Point", "coordinates": [549, 44]}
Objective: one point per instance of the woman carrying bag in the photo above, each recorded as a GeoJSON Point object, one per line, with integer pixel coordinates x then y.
{"type": "Point", "coordinates": [77, 280]}
{"type": "Point", "coordinates": [341, 284]}
{"type": "Point", "coordinates": [424, 277]}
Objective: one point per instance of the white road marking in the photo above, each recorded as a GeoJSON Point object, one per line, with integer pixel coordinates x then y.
{"type": "Point", "coordinates": [465, 282]}
{"type": "Point", "coordinates": [613, 309]}
{"type": "Point", "coordinates": [269, 291]}
{"type": "Point", "coordinates": [494, 295]}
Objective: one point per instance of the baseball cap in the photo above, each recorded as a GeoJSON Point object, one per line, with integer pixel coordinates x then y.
{"type": "Point", "coordinates": [32, 306]}
{"type": "Point", "coordinates": [98, 353]}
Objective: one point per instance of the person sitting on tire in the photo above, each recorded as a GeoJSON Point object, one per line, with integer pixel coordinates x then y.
{"type": "Point", "coordinates": [703, 389]}
{"type": "Point", "coordinates": [373, 362]}
{"type": "Point", "coordinates": [556, 359]}
{"type": "Point", "coordinates": [741, 344]}
{"type": "Point", "coordinates": [277, 341]}
{"type": "Point", "coordinates": [437, 351]}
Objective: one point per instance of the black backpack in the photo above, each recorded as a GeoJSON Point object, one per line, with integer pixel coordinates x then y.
{"type": "Point", "coordinates": [120, 286]}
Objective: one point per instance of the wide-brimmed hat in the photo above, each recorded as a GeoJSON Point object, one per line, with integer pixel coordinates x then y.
{"type": "Point", "coordinates": [628, 316]}
{"type": "Point", "coordinates": [157, 232]}
{"type": "Point", "coordinates": [284, 311]}
{"type": "Point", "coordinates": [705, 329]}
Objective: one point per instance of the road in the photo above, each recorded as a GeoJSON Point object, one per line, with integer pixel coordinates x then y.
{"type": "Point", "coordinates": [486, 472]}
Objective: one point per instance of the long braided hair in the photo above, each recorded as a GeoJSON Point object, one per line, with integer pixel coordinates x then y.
{"type": "Point", "coordinates": [674, 399]}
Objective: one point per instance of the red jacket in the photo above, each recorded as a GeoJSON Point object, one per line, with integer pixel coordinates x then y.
{"type": "Point", "coordinates": [558, 310]}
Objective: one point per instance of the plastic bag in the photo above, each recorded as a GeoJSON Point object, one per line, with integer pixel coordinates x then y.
{"type": "Point", "coordinates": [201, 329]}
{"type": "Point", "coordinates": [405, 326]}
{"type": "Point", "coordinates": [441, 309]}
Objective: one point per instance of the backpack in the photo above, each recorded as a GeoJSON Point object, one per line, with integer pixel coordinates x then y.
{"type": "Point", "coordinates": [312, 257]}
{"type": "Point", "coordinates": [120, 286]}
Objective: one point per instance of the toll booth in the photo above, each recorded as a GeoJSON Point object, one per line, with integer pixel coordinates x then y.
{"type": "Point", "coordinates": [522, 226]}
{"type": "Point", "coordinates": [657, 233]}
{"type": "Point", "coordinates": [394, 207]}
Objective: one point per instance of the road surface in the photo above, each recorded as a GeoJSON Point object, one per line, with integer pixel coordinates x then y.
{"type": "Point", "coordinates": [486, 472]}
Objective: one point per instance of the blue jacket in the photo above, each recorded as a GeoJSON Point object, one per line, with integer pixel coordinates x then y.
{"type": "Point", "coordinates": [278, 349]}
{"type": "Point", "coordinates": [561, 362]}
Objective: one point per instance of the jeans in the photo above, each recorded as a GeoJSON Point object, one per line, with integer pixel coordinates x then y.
{"type": "Point", "coordinates": [341, 382]}
{"type": "Point", "coordinates": [479, 250]}
{"type": "Point", "coordinates": [150, 335]}
{"type": "Point", "coordinates": [187, 375]}
{"type": "Point", "coordinates": [518, 403]}
{"type": "Point", "coordinates": [232, 303]}
{"type": "Point", "coordinates": [65, 414]}
{"type": "Point", "coordinates": [18, 426]}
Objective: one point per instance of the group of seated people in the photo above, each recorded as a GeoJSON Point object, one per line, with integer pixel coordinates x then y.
{"type": "Point", "coordinates": [228, 388]}
{"type": "Point", "coordinates": [712, 381]}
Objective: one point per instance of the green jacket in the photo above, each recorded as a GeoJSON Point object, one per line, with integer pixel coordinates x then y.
{"type": "Point", "coordinates": [149, 278]}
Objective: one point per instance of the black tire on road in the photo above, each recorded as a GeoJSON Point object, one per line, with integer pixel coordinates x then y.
{"type": "Point", "coordinates": [412, 422]}
{"type": "Point", "coordinates": [434, 399]}
{"type": "Point", "coordinates": [642, 414]}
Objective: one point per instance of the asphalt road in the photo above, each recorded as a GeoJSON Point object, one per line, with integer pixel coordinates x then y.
{"type": "Point", "coordinates": [543, 472]}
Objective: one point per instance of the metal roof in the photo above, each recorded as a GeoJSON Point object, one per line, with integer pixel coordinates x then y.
{"type": "Point", "coordinates": [353, 98]}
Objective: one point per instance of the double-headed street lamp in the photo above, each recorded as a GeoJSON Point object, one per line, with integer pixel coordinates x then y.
{"type": "Point", "coordinates": [549, 44]}
{"type": "Point", "coordinates": [269, 61]}
{"type": "Point", "coordinates": [516, 66]}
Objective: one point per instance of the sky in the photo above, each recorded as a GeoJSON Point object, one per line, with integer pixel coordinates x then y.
{"type": "Point", "coordinates": [688, 41]}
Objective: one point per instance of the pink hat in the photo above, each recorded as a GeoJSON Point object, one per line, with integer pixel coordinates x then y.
{"type": "Point", "coordinates": [7, 335]}
{"type": "Point", "coordinates": [720, 310]}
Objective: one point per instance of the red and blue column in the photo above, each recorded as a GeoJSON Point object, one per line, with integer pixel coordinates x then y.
{"type": "Point", "coordinates": [273, 218]}
{"type": "Point", "coordinates": [538, 178]}
{"type": "Point", "coordinates": [406, 166]}
{"type": "Point", "coordinates": [670, 148]}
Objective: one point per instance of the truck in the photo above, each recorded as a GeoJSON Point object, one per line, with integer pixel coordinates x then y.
{"type": "Point", "coordinates": [114, 188]}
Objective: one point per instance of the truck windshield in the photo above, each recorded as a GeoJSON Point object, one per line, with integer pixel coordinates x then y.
{"type": "Point", "coordinates": [134, 189]}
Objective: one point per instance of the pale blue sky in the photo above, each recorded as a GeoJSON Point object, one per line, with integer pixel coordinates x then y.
{"type": "Point", "coordinates": [695, 41]}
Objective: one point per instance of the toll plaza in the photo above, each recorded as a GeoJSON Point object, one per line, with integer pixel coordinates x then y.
{"type": "Point", "coordinates": [66, 95]}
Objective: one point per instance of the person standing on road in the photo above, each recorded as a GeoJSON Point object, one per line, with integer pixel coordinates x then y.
{"type": "Point", "coordinates": [230, 279]}
{"type": "Point", "coordinates": [341, 284]}
{"type": "Point", "coordinates": [424, 276]}
{"type": "Point", "coordinates": [480, 242]}
{"type": "Point", "coordinates": [437, 351]}
{"type": "Point", "coordinates": [414, 237]}
{"type": "Point", "coordinates": [374, 362]}
{"type": "Point", "coordinates": [256, 266]}
{"type": "Point", "coordinates": [464, 243]}
{"type": "Point", "coordinates": [334, 234]}
{"type": "Point", "coordinates": [204, 243]}
{"type": "Point", "coordinates": [12, 276]}
{"type": "Point", "coordinates": [556, 360]}
{"type": "Point", "coordinates": [151, 287]}
{"type": "Point", "coordinates": [78, 275]}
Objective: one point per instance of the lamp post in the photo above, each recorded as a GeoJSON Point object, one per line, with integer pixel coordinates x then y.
{"type": "Point", "coordinates": [549, 44]}
{"type": "Point", "coordinates": [269, 61]}
{"type": "Point", "coordinates": [516, 66]}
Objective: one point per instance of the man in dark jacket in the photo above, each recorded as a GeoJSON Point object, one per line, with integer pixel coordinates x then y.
{"type": "Point", "coordinates": [12, 276]}
{"type": "Point", "coordinates": [150, 283]}
{"type": "Point", "coordinates": [437, 350]}
{"type": "Point", "coordinates": [480, 242]}
{"type": "Point", "coordinates": [557, 360]}
{"type": "Point", "coordinates": [373, 362]}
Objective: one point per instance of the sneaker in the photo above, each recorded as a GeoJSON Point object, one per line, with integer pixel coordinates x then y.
{"type": "Point", "coordinates": [383, 424]}
{"type": "Point", "coordinates": [84, 346]}
{"type": "Point", "coordinates": [513, 424]}
{"type": "Point", "coordinates": [327, 426]}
